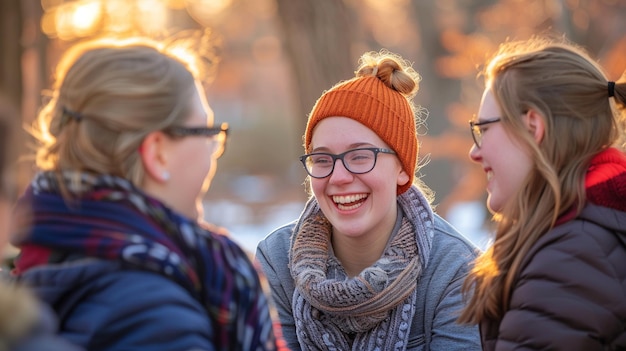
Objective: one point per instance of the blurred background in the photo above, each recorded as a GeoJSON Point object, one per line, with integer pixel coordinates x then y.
{"type": "Point", "coordinates": [271, 59]}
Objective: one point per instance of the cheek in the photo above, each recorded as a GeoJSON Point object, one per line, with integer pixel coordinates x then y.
{"type": "Point", "coordinates": [515, 170]}
{"type": "Point", "coordinates": [521, 164]}
{"type": "Point", "coordinates": [194, 164]}
{"type": "Point", "coordinates": [519, 175]}
{"type": "Point", "coordinates": [317, 187]}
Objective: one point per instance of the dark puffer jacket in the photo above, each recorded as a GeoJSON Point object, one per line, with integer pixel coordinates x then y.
{"type": "Point", "coordinates": [103, 307]}
{"type": "Point", "coordinates": [571, 290]}
{"type": "Point", "coordinates": [25, 323]}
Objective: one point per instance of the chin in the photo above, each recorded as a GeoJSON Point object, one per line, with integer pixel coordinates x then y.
{"type": "Point", "coordinates": [493, 206]}
{"type": "Point", "coordinates": [347, 230]}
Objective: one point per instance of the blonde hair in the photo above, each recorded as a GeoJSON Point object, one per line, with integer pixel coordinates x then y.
{"type": "Point", "coordinates": [109, 94]}
{"type": "Point", "coordinates": [570, 91]}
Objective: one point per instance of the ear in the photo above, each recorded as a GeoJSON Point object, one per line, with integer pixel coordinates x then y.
{"type": "Point", "coordinates": [153, 157]}
{"type": "Point", "coordinates": [535, 124]}
{"type": "Point", "coordinates": [403, 177]}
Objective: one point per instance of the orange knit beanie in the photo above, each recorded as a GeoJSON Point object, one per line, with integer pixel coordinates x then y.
{"type": "Point", "coordinates": [384, 110]}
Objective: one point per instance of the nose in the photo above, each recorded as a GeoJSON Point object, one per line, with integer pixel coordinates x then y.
{"type": "Point", "coordinates": [474, 153]}
{"type": "Point", "coordinates": [340, 173]}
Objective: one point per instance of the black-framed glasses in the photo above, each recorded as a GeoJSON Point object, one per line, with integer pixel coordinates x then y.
{"type": "Point", "coordinates": [197, 131]}
{"type": "Point", "coordinates": [217, 134]}
{"type": "Point", "coordinates": [477, 129]}
{"type": "Point", "coordinates": [357, 161]}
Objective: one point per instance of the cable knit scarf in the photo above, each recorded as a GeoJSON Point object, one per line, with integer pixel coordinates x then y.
{"type": "Point", "coordinates": [372, 311]}
{"type": "Point", "coordinates": [112, 220]}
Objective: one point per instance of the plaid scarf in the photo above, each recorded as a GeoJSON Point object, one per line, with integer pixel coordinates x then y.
{"type": "Point", "coordinates": [110, 219]}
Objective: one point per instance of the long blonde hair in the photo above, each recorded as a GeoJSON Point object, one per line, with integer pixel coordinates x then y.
{"type": "Point", "coordinates": [109, 94]}
{"type": "Point", "coordinates": [570, 91]}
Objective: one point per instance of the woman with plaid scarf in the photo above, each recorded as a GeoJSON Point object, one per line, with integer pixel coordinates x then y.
{"type": "Point", "coordinates": [110, 229]}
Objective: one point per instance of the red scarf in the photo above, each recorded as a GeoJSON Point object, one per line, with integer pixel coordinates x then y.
{"type": "Point", "coordinates": [605, 183]}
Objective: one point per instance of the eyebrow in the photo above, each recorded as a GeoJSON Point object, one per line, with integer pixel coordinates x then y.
{"type": "Point", "coordinates": [351, 146]}
{"type": "Point", "coordinates": [483, 119]}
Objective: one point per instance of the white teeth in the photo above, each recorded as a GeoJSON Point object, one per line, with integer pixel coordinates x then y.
{"type": "Point", "coordinates": [348, 199]}
{"type": "Point", "coordinates": [489, 175]}
{"type": "Point", "coordinates": [349, 208]}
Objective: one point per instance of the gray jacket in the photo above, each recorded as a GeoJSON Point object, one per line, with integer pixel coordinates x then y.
{"type": "Point", "coordinates": [438, 289]}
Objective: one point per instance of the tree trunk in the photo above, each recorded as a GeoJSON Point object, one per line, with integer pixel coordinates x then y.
{"type": "Point", "coordinates": [35, 68]}
{"type": "Point", "coordinates": [11, 49]}
{"type": "Point", "coordinates": [318, 40]}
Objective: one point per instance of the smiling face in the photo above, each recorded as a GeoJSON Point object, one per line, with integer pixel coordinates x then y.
{"type": "Point", "coordinates": [357, 205]}
{"type": "Point", "coordinates": [504, 159]}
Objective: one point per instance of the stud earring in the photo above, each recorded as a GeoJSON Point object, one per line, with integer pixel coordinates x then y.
{"type": "Point", "coordinates": [165, 175]}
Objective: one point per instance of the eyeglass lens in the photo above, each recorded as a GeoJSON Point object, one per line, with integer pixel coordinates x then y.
{"type": "Point", "coordinates": [477, 129]}
{"type": "Point", "coordinates": [477, 135]}
{"type": "Point", "coordinates": [358, 161]}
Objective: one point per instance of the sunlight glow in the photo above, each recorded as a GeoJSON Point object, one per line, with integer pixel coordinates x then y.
{"type": "Point", "coordinates": [72, 19]}
{"type": "Point", "coordinates": [202, 10]}
{"type": "Point", "coordinates": [85, 16]}
{"type": "Point", "coordinates": [183, 53]}
{"type": "Point", "coordinates": [63, 23]}
{"type": "Point", "coordinates": [214, 6]}
{"type": "Point", "coordinates": [152, 15]}
{"type": "Point", "coordinates": [48, 5]}
{"type": "Point", "coordinates": [119, 18]}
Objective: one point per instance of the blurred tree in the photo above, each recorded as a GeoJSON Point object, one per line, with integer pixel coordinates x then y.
{"type": "Point", "coordinates": [457, 36]}
{"type": "Point", "coordinates": [35, 54]}
{"type": "Point", "coordinates": [319, 41]}
{"type": "Point", "coordinates": [318, 38]}
{"type": "Point", "coordinates": [450, 39]}
{"type": "Point", "coordinates": [10, 46]}
{"type": "Point", "coordinates": [440, 24]}
{"type": "Point", "coordinates": [23, 69]}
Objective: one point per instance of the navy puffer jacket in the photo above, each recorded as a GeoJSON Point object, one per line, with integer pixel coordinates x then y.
{"type": "Point", "coordinates": [106, 308]}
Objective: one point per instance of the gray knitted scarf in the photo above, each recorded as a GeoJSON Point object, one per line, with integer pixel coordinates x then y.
{"type": "Point", "coordinates": [372, 311]}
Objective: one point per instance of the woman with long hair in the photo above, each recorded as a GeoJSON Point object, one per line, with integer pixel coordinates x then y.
{"type": "Point", "coordinates": [549, 135]}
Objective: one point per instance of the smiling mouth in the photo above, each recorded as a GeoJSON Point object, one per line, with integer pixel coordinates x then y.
{"type": "Point", "coordinates": [349, 202]}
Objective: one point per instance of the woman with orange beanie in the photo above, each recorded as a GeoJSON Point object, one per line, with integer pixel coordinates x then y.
{"type": "Point", "coordinates": [368, 265]}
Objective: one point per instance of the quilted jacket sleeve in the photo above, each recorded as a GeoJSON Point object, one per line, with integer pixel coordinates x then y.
{"type": "Point", "coordinates": [570, 294]}
{"type": "Point", "coordinates": [102, 308]}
